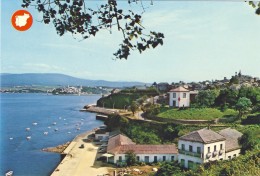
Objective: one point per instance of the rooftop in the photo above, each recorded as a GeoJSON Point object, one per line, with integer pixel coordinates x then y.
{"type": "Point", "coordinates": [122, 144]}
{"type": "Point", "coordinates": [203, 136]}
{"type": "Point", "coordinates": [179, 89]}
{"type": "Point", "coordinates": [232, 137]}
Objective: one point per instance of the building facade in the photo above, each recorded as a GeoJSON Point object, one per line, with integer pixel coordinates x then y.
{"type": "Point", "coordinates": [119, 145]}
{"type": "Point", "coordinates": [206, 145]}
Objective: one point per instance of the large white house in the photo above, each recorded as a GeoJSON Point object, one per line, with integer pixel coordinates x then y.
{"type": "Point", "coordinates": [206, 145]}
{"type": "Point", "coordinates": [180, 97]}
{"type": "Point", "coordinates": [119, 145]}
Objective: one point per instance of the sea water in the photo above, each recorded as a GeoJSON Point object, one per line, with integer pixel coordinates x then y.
{"type": "Point", "coordinates": [39, 113]}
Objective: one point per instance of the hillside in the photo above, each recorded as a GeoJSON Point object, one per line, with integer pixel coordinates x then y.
{"type": "Point", "coordinates": [53, 79]}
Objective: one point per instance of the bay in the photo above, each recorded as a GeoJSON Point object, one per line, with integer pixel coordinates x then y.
{"type": "Point", "coordinates": [50, 112]}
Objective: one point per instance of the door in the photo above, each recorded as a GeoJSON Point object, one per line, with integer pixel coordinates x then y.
{"type": "Point", "coordinates": [174, 103]}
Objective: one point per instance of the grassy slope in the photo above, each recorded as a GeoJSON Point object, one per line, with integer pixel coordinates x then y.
{"type": "Point", "coordinates": [197, 114]}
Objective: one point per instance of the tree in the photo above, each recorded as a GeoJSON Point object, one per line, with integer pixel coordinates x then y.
{"type": "Point", "coordinates": [206, 98]}
{"type": "Point", "coordinates": [76, 17]}
{"type": "Point", "coordinates": [248, 141]}
{"type": "Point", "coordinates": [255, 5]}
{"type": "Point", "coordinates": [131, 158]}
{"type": "Point", "coordinates": [243, 105]}
{"type": "Point", "coordinates": [134, 107]}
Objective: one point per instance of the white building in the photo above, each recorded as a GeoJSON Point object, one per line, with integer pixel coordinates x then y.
{"type": "Point", "coordinates": [180, 97]}
{"type": "Point", "coordinates": [119, 145]}
{"type": "Point", "coordinates": [206, 145]}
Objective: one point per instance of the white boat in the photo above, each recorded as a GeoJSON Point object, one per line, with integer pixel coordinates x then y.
{"type": "Point", "coordinates": [54, 123]}
{"type": "Point", "coordinates": [45, 133]}
{"type": "Point", "coordinates": [35, 123]}
{"type": "Point", "coordinates": [9, 173]}
{"type": "Point", "coordinates": [11, 138]}
{"type": "Point", "coordinates": [78, 128]}
{"type": "Point", "coordinates": [27, 129]}
{"type": "Point", "coordinates": [69, 132]}
{"type": "Point", "coordinates": [56, 129]}
{"type": "Point", "coordinates": [28, 137]}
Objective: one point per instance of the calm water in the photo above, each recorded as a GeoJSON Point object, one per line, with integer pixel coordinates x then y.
{"type": "Point", "coordinates": [20, 111]}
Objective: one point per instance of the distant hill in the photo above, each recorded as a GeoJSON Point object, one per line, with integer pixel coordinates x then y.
{"type": "Point", "coordinates": [53, 79]}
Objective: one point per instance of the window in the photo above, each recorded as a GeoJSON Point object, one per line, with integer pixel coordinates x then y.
{"type": "Point", "coordinates": [155, 159]}
{"type": "Point", "coordinates": [138, 158]}
{"type": "Point", "coordinates": [172, 158]}
{"type": "Point", "coordinates": [190, 148]}
{"type": "Point", "coordinates": [229, 157]}
{"type": "Point", "coordinates": [182, 146]}
{"type": "Point", "coordinates": [215, 148]}
{"type": "Point", "coordinates": [190, 164]}
{"type": "Point", "coordinates": [182, 162]}
{"type": "Point", "coordinates": [120, 158]}
{"type": "Point", "coordinates": [234, 155]}
{"type": "Point", "coordinates": [184, 95]}
{"type": "Point", "coordinates": [199, 150]}
{"type": "Point", "coordinates": [174, 95]}
{"type": "Point", "coordinates": [221, 146]}
{"type": "Point", "coordinates": [164, 158]}
{"type": "Point", "coordinates": [146, 159]}
{"type": "Point", "coordinates": [208, 149]}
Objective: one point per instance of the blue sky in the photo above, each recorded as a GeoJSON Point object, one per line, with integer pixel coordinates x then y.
{"type": "Point", "coordinates": [204, 40]}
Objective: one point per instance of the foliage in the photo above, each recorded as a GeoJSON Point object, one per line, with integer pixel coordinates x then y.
{"type": "Point", "coordinates": [142, 135]}
{"type": "Point", "coordinates": [151, 109]}
{"type": "Point", "coordinates": [227, 97]}
{"type": "Point", "coordinates": [134, 107]}
{"type": "Point", "coordinates": [255, 5]}
{"type": "Point", "coordinates": [196, 114]}
{"type": "Point", "coordinates": [243, 105]}
{"type": "Point", "coordinates": [131, 158]}
{"type": "Point", "coordinates": [114, 122]}
{"type": "Point", "coordinates": [76, 17]}
{"type": "Point", "coordinates": [234, 80]}
{"type": "Point", "coordinates": [248, 164]}
{"type": "Point", "coordinates": [252, 119]}
{"type": "Point", "coordinates": [249, 140]}
{"type": "Point", "coordinates": [124, 98]}
{"type": "Point", "coordinates": [169, 169]}
{"type": "Point", "coordinates": [206, 98]}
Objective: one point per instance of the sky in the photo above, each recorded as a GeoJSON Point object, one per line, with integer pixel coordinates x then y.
{"type": "Point", "coordinates": [203, 41]}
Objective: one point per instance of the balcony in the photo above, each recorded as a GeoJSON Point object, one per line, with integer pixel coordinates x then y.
{"type": "Point", "coordinates": [184, 152]}
{"type": "Point", "coordinates": [221, 151]}
{"type": "Point", "coordinates": [215, 153]}
{"type": "Point", "coordinates": [209, 155]}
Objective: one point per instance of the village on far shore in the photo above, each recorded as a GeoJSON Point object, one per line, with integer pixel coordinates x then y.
{"type": "Point", "coordinates": [171, 130]}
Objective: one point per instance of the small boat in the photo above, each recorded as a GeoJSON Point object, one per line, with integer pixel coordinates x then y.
{"type": "Point", "coordinates": [54, 123]}
{"type": "Point", "coordinates": [28, 137]}
{"type": "Point", "coordinates": [56, 129]}
{"type": "Point", "coordinates": [11, 138]}
{"type": "Point", "coordinates": [45, 133]}
{"type": "Point", "coordinates": [78, 128]}
{"type": "Point", "coordinates": [35, 123]}
{"type": "Point", "coordinates": [27, 129]}
{"type": "Point", "coordinates": [82, 119]}
{"type": "Point", "coordinates": [64, 119]}
{"type": "Point", "coordinates": [69, 132]}
{"type": "Point", "coordinates": [49, 127]}
{"type": "Point", "coordinates": [59, 117]}
{"type": "Point", "coordinates": [9, 173]}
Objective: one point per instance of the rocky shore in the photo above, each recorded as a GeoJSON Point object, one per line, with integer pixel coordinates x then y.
{"type": "Point", "coordinates": [99, 110]}
{"type": "Point", "coordinates": [57, 149]}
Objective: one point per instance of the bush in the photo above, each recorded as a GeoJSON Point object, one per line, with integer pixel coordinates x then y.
{"type": "Point", "coordinates": [252, 119]}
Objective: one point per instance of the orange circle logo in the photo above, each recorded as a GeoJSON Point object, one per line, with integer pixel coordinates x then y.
{"type": "Point", "coordinates": [22, 20]}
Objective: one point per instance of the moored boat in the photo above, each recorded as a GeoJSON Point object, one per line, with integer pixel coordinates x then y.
{"type": "Point", "coordinates": [9, 173]}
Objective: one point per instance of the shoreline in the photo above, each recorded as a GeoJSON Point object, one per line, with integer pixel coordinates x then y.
{"type": "Point", "coordinates": [78, 160]}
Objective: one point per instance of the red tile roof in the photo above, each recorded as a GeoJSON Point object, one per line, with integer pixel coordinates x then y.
{"type": "Point", "coordinates": [179, 89]}
{"type": "Point", "coordinates": [121, 144]}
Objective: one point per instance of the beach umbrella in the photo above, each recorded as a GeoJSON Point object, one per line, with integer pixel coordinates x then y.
{"type": "Point", "coordinates": [107, 155]}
